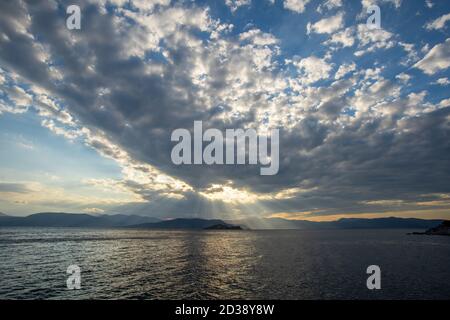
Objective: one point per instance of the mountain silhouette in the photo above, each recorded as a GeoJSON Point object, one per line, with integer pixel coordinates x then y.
{"type": "Point", "coordinates": [62, 219]}
{"type": "Point", "coordinates": [345, 223]}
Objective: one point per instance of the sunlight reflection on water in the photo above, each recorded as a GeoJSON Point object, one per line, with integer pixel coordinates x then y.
{"type": "Point", "coordinates": [153, 264]}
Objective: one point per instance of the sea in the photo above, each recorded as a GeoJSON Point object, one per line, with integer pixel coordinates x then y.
{"type": "Point", "coordinates": [238, 264]}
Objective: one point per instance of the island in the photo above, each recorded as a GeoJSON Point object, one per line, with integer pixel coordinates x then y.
{"type": "Point", "coordinates": [222, 226]}
{"type": "Point", "coordinates": [441, 230]}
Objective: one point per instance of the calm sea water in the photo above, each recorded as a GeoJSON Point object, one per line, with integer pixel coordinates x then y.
{"type": "Point", "coordinates": [149, 264]}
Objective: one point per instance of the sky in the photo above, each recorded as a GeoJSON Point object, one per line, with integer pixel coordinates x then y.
{"type": "Point", "coordinates": [86, 115]}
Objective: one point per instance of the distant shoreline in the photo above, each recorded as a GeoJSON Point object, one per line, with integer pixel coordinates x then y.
{"type": "Point", "coordinates": [75, 220]}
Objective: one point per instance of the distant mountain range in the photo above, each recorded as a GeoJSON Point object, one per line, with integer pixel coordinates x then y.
{"type": "Point", "coordinates": [345, 223]}
{"type": "Point", "coordinates": [61, 219]}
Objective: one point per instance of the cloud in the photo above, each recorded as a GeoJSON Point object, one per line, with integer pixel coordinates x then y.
{"type": "Point", "coordinates": [236, 4]}
{"type": "Point", "coordinates": [404, 77]}
{"type": "Point", "coordinates": [344, 70]}
{"type": "Point", "coordinates": [437, 59]}
{"type": "Point", "coordinates": [327, 25]}
{"type": "Point", "coordinates": [444, 103]}
{"type": "Point", "coordinates": [259, 38]}
{"type": "Point", "coordinates": [442, 81]}
{"type": "Point", "coordinates": [70, 134]}
{"type": "Point", "coordinates": [295, 5]}
{"type": "Point", "coordinates": [329, 5]}
{"type": "Point", "coordinates": [13, 187]}
{"type": "Point", "coordinates": [143, 5]}
{"type": "Point", "coordinates": [439, 23]}
{"type": "Point", "coordinates": [367, 3]}
{"type": "Point", "coordinates": [372, 40]}
{"type": "Point", "coordinates": [346, 38]}
{"type": "Point", "coordinates": [313, 69]}
{"type": "Point", "coordinates": [15, 100]}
